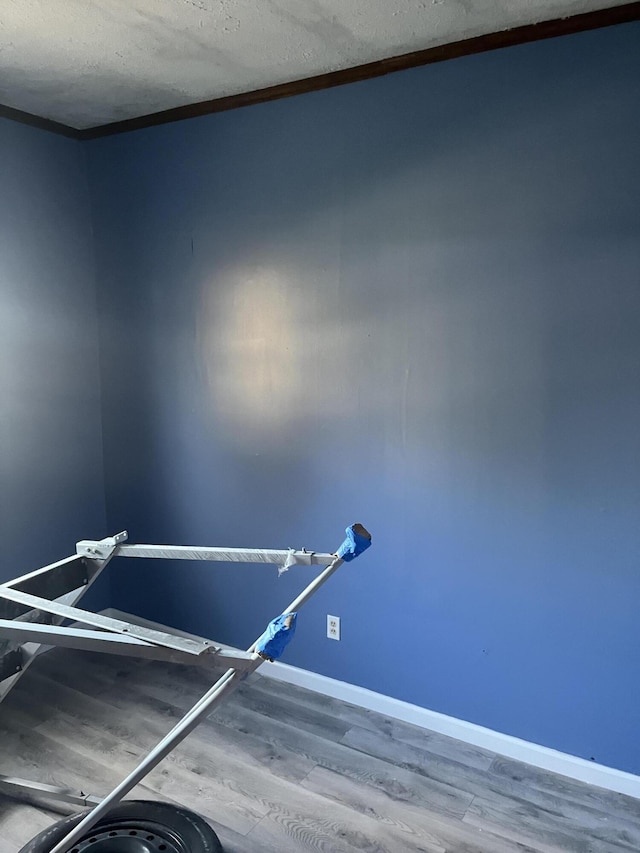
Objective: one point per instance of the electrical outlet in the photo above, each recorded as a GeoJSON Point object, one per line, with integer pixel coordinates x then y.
{"type": "Point", "coordinates": [333, 627]}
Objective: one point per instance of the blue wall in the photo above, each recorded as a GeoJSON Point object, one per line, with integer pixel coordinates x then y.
{"type": "Point", "coordinates": [412, 302]}
{"type": "Point", "coordinates": [51, 484]}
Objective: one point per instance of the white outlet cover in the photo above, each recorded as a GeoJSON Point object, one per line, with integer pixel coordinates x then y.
{"type": "Point", "coordinates": [333, 627]}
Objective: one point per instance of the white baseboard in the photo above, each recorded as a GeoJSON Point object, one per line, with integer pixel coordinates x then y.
{"type": "Point", "coordinates": [506, 745]}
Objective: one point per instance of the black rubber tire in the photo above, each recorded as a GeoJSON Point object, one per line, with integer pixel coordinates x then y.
{"type": "Point", "coordinates": [184, 830]}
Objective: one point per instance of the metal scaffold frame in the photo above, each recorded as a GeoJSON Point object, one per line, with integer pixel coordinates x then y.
{"type": "Point", "coordinates": [38, 611]}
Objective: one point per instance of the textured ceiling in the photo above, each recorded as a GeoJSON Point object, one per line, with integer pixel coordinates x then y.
{"type": "Point", "coordinates": [86, 63]}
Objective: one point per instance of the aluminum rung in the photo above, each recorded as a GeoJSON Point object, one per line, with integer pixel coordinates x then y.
{"type": "Point", "coordinates": [22, 786]}
{"type": "Point", "coordinates": [158, 638]}
{"type": "Point", "coordinates": [226, 555]}
{"type": "Point", "coordinates": [55, 580]}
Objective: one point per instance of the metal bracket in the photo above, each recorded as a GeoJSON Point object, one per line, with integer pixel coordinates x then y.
{"type": "Point", "coordinates": [102, 548]}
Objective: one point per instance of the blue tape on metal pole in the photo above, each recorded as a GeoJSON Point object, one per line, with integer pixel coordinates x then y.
{"type": "Point", "coordinates": [354, 544]}
{"type": "Point", "coordinates": [279, 633]}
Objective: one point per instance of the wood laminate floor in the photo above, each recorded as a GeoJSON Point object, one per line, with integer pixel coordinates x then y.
{"type": "Point", "coordinates": [278, 769]}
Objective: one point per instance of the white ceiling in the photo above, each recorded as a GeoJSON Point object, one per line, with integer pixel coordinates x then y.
{"type": "Point", "coordinates": [91, 62]}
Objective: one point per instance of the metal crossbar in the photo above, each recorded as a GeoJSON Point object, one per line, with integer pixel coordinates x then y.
{"type": "Point", "coordinates": [225, 555]}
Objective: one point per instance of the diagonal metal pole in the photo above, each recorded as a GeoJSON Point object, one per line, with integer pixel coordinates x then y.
{"type": "Point", "coordinates": [225, 685]}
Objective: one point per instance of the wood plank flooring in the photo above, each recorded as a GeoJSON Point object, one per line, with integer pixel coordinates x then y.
{"type": "Point", "coordinates": [278, 769]}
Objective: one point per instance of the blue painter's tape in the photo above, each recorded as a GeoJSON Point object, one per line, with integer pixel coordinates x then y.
{"type": "Point", "coordinates": [354, 544]}
{"type": "Point", "coordinates": [279, 633]}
